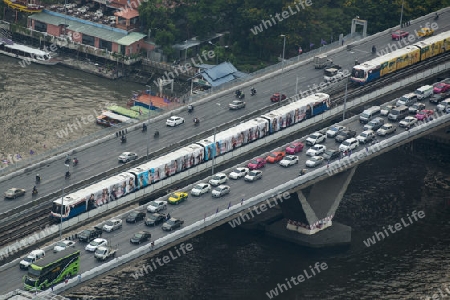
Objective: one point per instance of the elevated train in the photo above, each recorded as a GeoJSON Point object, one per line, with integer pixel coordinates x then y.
{"type": "Point", "coordinates": [187, 157]}
{"type": "Point", "coordinates": [399, 59]}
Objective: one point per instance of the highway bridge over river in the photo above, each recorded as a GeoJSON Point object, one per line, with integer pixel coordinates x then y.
{"type": "Point", "coordinates": [205, 213]}
{"type": "Point", "coordinates": [279, 185]}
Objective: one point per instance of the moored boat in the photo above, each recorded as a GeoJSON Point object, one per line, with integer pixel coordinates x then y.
{"type": "Point", "coordinates": [26, 53]}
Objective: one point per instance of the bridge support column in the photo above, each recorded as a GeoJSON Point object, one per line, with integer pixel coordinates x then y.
{"type": "Point", "coordinates": [310, 211]}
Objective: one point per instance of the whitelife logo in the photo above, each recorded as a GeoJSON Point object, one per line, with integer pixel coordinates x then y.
{"type": "Point", "coordinates": [398, 226]}
{"type": "Point", "coordinates": [280, 17]}
{"type": "Point", "coordinates": [296, 280]}
{"type": "Point", "coordinates": [165, 260]}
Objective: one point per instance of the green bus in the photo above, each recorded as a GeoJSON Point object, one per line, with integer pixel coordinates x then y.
{"type": "Point", "coordinates": [52, 269]}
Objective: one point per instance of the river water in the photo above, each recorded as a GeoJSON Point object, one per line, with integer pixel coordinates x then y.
{"type": "Point", "coordinates": [412, 263]}
{"type": "Point", "coordinates": [228, 263]}
{"type": "Point", "coordinates": [38, 101]}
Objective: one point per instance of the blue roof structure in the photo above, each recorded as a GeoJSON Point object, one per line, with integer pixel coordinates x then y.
{"type": "Point", "coordinates": [220, 74]}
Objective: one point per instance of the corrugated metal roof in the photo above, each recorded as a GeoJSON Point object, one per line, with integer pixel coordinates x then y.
{"type": "Point", "coordinates": [130, 39]}
{"type": "Point", "coordinates": [221, 74]}
{"type": "Point", "coordinates": [89, 28]}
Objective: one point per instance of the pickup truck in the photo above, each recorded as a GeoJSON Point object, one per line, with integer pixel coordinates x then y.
{"type": "Point", "coordinates": [104, 252]}
{"type": "Point", "coordinates": [90, 234]}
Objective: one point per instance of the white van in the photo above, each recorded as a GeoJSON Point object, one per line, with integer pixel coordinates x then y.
{"type": "Point", "coordinates": [408, 99]}
{"type": "Point", "coordinates": [31, 258]}
{"type": "Point", "coordinates": [424, 92]}
{"type": "Point", "coordinates": [369, 114]}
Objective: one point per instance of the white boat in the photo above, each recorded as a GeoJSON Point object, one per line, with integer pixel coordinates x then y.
{"type": "Point", "coordinates": [26, 53]}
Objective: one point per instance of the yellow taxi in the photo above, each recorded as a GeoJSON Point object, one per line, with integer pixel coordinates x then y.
{"type": "Point", "coordinates": [177, 197]}
{"type": "Point", "coordinates": [423, 32]}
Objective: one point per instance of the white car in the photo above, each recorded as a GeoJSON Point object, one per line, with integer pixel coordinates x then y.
{"type": "Point", "coordinates": [316, 150]}
{"type": "Point", "coordinates": [112, 225]}
{"type": "Point", "coordinates": [238, 173]}
{"type": "Point", "coordinates": [31, 258]}
{"type": "Point", "coordinates": [156, 206]}
{"type": "Point", "coordinates": [174, 121]}
{"type": "Point", "coordinates": [253, 175]}
{"type": "Point", "coordinates": [62, 245]}
{"type": "Point", "coordinates": [314, 161]}
{"type": "Point", "coordinates": [348, 145]}
{"type": "Point", "coordinates": [92, 246]}
{"type": "Point", "coordinates": [315, 138]}
{"type": "Point", "coordinates": [386, 109]}
{"type": "Point", "coordinates": [386, 129]}
{"type": "Point", "coordinates": [407, 122]}
{"type": "Point", "coordinates": [127, 156]}
{"type": "Point", "coordinates": [333, 130]}
{"type": "Point", "coordinates": [218, 179]}
{"type": "Point", "coordinates": [289, 160]}
{"type": "Point", "coordinates": [220, 191]}
{"type": "Point", "coordinates": [200, 189]}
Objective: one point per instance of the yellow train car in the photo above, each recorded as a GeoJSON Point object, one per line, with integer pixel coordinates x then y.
{"type": "Point", "coordinates": [407, 56]}
{"type": "Point", "coordinates": [433, 46]}
{"type": "Point", "coordinates": [389, 64]}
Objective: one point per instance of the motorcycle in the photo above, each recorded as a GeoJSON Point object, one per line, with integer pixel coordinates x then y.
{"type": "Point", "coordinates": [75, 162]}
{"type": "Point", "coordinates": [123, 140]}
{"type": "Point", "coordinates": [374, 50]}
{"type": "Point", "coordinates": [241, 96]}
{"type": "Point", "coordinates": [436, 17]}
{"type": "Point", "coordinates": [144, 128]}
{"type": "Point", "coordinates": [190, 109]}
{"type": "Point", "coordinates": [238, 93]}
{"type": "Point", "coordinates": [196, 122]}
{"type": "Point", "coordinates": [34, 192]}
{"type": "Point", "coordinates": [38, 179]}
{"type": "Point", "coordinates": [156, 134]}
{"type": "Point", "coordinates": [67, 175]}
{"type": "Point", "coordinates": [67, 161]}
{"type": "Point", "coordinates": [253, 92]}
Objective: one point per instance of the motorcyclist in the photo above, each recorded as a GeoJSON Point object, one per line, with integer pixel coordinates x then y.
{"type": "Point", "coordinates": [190, 107]}
{"type": "Point", "coordinates": [144, 127]}
{"type": "Point", "coordinates": [75, 161]}
{"type": "Point", "coordinates": [67, 174]}
{"type": "Point", "coordinates": [253, 90]}
{"type": "Point", "coordinates": [38, 178]}
{"type": "Point", "coordinates": [124, 139]}
{"type": "Point", "coordinates": [34, 190]}
{"type": "Point", "coordinates": [196, 120]}
{"type": "Point", "coordinates": [156, 133]}
{"type": "Point", "coordinates": [238, 93]}
{"type": "Point", "coordinates": [67, 161]}
{"type": "Point", "coordinates": [374, 49]}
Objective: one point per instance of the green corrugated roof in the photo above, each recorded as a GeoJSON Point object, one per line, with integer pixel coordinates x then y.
{"type": "Point", "coordinates": [104, 32]}
{"type": "Point", "coordinates": [124, 112]}
{"type": "Point", "coordinates": [130, 39]}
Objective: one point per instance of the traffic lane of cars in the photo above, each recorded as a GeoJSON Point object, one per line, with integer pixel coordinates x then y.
{"type": "Point", "coordinates": [273, 175]}
{"type": "Point", "coordinates": [100, 160]}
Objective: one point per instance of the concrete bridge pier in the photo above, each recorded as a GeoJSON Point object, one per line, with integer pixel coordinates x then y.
{"type": "Point", "coordinates": [310, 211]}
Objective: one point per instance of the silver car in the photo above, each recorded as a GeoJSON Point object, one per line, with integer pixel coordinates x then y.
{"type": "Point", "coordinates": [314, 161]}
{"type": "Point", "coordinates": [127, 156]}
{"type": "Point", "coordinates": [220, 191]}
{"type": "Point", "coordinates": [236, 104]}
{"type": "Point", "coordinates": [386, 129]}
{"type": "Point", "coordinates": [253, 175]}
{"type": "Point", "coordinates": [112, 225]}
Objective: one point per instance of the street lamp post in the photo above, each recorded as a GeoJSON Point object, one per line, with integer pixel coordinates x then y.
{"type": "Point", "coordinates": [401, 14]}
{"type": "Point", "coordinates": [282, 69]}
{"type": "Point", "coordinates": [345, 99]}
{"type": "Point", "coordinates": [214, 157]}
{"type": "Point", "coordinates": [148, 135]}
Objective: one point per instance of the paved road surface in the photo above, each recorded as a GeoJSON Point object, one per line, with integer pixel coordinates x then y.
{"type": "Point", "coordinates": [194, 208]}
{"type": "Point", "coordinates": [103, 157]}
